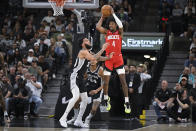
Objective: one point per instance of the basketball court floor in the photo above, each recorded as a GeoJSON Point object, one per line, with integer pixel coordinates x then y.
{"type": "Point", "coordinates": [49, 124]}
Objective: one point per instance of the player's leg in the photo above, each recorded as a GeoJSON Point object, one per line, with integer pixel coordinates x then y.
{"type": "Point", "coordinates": [75, 92]}
{"type": "Point", "coordinates": [83, 105]}
{"type": "Point", "coordinates": [107, 73]}
{"type": "Point", "coordinates": [76, 111]}
{"type": "Point", "coordinates": [96, 103]}
{"type": "Point", "coordinates": [119, 66]}
{"type": "Point", "coordinates": [125, 91]}
{"type": "Point", "coordinates": [106, 80]}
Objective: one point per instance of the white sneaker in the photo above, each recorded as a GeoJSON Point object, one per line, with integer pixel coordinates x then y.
{"type": "Point", "coordinates": [79, 123]}
{"type": "Point", "coordinates": [184, 120]}
{"type": "Point", "coordinates": [53, 76]}
{"type": "Point", "coordinates": [87, 121]}
{"type": "Point", "coordinates": [71, 122]}
{"type": "Point", "coordinates": [63, 123]}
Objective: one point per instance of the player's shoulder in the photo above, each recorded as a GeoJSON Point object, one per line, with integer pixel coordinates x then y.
{"type": "Point", "coordinates": [83, 53]}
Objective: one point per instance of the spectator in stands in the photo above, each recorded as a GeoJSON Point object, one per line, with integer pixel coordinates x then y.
{"type": "Point", "coordinates": [20, 42]}
{"type": "Point", "coordinates": [35, 70]}
{"type": "Point", "coordinates": [126, 69]}
{"type": "Point", "coordinates": [12, 75]}
{"type": "Point", "coordinates": [189, 6]}
{"type": "Point", "coordinates": [50, 18]}
{"type": "Point", "coordinates": [190, 77]}
{"type": "Point", "coordinates": [162, 99]}
{"type": "Point", "coordinates": [133, 81]}
{"type": "Point", "coordinates": [44, 36]}
{"type": "Point", "coordinates": [28, 35]}
{"type": "Point", "coordinates": [127, 9]}
{"type": "Point", "coordinates": [17, 28]}
{"type": "Point", "coordinates": [30, 55]}
{"type": "Point", "coordinates": [184, 83]}
{"type": "Point", "coordinates": [59, 25]}
{"type": "Point", "coordinates": [192, 99]}
{"type": "Point", "coordinates": [193, 44]}
{"type": "Point", "coordinates": [36, 49]}
{"type": "Point", "coordinates": [189, 23]}
{"type": "Point", "coordinates": [6, 89]}
{"type": "Point", "coordinates": [177, 11]}
{"type": "Point", "coordinates": [25, 62]}
{"type": "Point", "coordinates": [115, 5]}
{"type": "Point", "coordinates": [3, 112]}
{"type": "Point", "coordinates": [52, 31]}
{"type": "Point", "coordinates": [180, 112]}
{"type": "Point", "coordinates": [21, 95]}
{"type": "Point", "coordinates": [43, 47]}
{"type": "Point", "coordinates": [61, 49]}
{"type": "Point", "coordinates": [142, 70]}
{"type": "Point", "coordinates": [191, 61]}
{"type": "Point", "coordinates": [45, 70]}
{"type": "Point", "coordinates": [46, 26]}
{"type": "Point", "coordinates": [69, 28]}
{"type": "Point", "coordinates": [36, 88]}
{"type": "Point", "coordinates": [54, 58]}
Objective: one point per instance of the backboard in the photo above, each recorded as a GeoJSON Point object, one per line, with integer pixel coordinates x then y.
{"type": "Point", "coordinates": [76, 4]}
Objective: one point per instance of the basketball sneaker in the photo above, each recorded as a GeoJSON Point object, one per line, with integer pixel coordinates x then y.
{"type": "Point", "coordinates": [71, 122]}
{"type": "Point", "coordinates": [87, 120]}
{"type": "Point", "coordinates": [79, 123]}
{"type": "Point", "coordinates": [106, 103]}
{"type": "Point", "coordinates": [63, 123]}
{"type": "Point", "coordinates": [127, 108]}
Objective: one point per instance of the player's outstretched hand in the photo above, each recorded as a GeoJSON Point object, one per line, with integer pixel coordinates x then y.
{"type": "Point", "coordinates": [105, 46]}
{"type": "Point", "coordinates": [111, 55]}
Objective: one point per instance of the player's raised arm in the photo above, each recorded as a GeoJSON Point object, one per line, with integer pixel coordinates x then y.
{"type": "Point", "coordinates": [99, 26]}
{"type": "Point", "coordinates": [118, 22]}
{"type": "Point", "coordinates": [89, 56]}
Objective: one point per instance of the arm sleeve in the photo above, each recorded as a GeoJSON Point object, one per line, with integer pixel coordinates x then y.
{"type": "Point", "coordinates": [119, 23]}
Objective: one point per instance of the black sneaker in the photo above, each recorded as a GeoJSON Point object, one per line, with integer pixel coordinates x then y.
{"type": "Point", "coordinates": [106, 103]}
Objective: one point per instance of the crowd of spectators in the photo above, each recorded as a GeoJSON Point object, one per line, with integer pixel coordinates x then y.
{"type": "Point", "coordinates": [30, 54]}
{"type": "Point", "coordinates": [179, 102]}
{"type": "Point", "coordinates": [179, 16]}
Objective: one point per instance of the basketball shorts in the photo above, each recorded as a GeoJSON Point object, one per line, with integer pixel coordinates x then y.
{"type": "Point", "coordinates": [114, 63]}
{"type": "Point", "coordinates": [96, 97]}
{"type": "Point", "coordinates": [78, 83]}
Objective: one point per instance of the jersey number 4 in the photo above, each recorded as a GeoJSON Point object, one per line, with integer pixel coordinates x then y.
{"type": "Point", "coordinates": [113, 43]}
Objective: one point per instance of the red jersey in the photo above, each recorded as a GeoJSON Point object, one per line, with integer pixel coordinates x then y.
{"type": "Point", "coordinates": [115, 42]}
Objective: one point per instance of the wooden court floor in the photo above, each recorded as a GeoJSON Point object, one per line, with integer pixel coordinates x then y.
{"type": "Point", "coordinates": [48, 124]}
{"type": "Point", "coordinates": [154, 127]}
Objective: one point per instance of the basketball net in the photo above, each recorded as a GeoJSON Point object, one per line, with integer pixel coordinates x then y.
{"type": "Point", "coordinates": [57, 6]}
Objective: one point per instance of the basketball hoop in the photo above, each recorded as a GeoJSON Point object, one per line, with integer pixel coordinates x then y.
{"type": "Point", "coordinates": [57, 6]}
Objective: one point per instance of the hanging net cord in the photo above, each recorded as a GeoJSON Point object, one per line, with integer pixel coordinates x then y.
{"type": "Point", "coordinates": [57, 6]}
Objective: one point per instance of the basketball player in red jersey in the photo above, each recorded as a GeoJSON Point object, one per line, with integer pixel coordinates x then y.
{"type": "Point", "coordinates": [113, 36]}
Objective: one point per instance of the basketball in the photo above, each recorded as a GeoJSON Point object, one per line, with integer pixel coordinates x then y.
{"type": "Point", "coordinates": [106, 10]}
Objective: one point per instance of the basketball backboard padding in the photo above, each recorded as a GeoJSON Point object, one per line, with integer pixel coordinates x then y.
{"type": "Point", "coordinates": [92, 4]}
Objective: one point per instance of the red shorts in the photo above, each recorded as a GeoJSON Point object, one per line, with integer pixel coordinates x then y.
{"type": "Point", "coordinates": [115, 62]}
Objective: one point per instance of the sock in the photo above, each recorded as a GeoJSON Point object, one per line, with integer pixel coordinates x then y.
{"type": "Point", "coordinates": [105, 97]}
{"type": "Point", "coordinates": [76, 111]}
{"type": "Point", "coordinates": [83, 106]}
{"type": "Point", "coordinates": [75, 92]}
{"type": "Point", "coordinates": [126, 99]}
{"type": "Point", "coordinates": [90, 116]}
